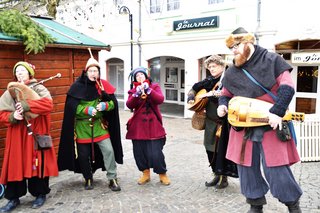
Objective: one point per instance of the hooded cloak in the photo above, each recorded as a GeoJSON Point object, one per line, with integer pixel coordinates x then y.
{"type": "Point", "coordinates": [84, 89]}
{"type": "Point", "coordinates": [264, 66]}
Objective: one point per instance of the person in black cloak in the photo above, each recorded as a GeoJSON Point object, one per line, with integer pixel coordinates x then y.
{"type": "Point", "coordinates": [90, 135]}
{"type": "Point", "coordinates": [216, 132]}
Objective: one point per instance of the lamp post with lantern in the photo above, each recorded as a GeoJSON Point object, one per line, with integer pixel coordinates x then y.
{"type": "Point", "coordinates": [125, 11]}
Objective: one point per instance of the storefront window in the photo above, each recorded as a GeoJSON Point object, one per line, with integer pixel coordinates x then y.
{"type": "Point", "coordinates": [307, 79]}
{"type": "Point", "coordinates": [155, 70]}
{"type": "Point", "coordinates": [171, 95]}
{"type": "Point", "coordinates": [182, 79]}
{"type": "Point", "coordinates": [171, 74]}
{"type": "Point", "coordinates": [306, 105]}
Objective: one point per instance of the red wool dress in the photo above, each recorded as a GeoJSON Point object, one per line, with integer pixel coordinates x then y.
{"type": "Point", "coordinates": [20, 155]}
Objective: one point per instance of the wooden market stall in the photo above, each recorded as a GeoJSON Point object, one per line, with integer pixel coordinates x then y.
{"type": "Point", "coordinates": [68, 56]}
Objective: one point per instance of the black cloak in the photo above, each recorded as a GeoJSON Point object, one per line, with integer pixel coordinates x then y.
{"type": "Point", "coordinates": [220, 164]}
{"type": "Point", "coordinates": [84, 89]}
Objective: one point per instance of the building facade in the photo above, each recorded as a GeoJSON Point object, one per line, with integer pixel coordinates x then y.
{"type": "Point", "coordinates": [174, 37]}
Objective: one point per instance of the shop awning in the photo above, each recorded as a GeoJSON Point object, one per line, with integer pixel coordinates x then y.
{"type": "Point", "coordinates": [304, 40]}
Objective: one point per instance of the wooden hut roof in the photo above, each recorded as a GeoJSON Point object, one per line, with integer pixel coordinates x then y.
{"type": "Point", "coordinates": [66, 37]}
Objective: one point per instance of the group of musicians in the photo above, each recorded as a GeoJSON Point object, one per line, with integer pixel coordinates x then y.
{"type": "Point", "coordinates": [90, 134]}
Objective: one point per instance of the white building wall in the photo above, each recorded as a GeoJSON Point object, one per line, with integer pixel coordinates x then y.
{"type": "Point", "coordinates": [278, 21]}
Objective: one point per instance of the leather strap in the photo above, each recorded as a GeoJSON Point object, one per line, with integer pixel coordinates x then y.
{"type": "Point", "coordinates": [243, 146]}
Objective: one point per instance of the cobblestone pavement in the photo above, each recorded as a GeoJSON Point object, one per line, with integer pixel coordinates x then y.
{"type": "Point", "coordinates": [188, 170]}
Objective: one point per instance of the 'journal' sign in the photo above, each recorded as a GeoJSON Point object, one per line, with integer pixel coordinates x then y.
{"type": "Point", "coordinates": [188, 24]}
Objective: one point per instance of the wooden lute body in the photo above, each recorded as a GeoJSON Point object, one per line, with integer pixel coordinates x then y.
{"type": "Point", "coordinates": [249, 112]}
{"type": "Point", "coordinates": [199, 103]}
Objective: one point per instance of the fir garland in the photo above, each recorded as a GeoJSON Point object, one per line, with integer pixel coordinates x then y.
{"type": "Point", "coordinates": [14, 23]}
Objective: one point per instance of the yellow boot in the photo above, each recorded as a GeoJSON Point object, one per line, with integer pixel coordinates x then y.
{"type": "Point", "coordinates": [145, 177]}
{"type": "Point", "coordinates": [164, 179]}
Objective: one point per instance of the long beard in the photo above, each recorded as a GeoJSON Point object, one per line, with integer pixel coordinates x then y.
{"type": "Point", "coordinates": [240, 59]}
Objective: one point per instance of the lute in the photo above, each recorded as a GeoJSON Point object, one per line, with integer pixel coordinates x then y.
{"type": "Point", "coordinates": [200, 102]}
{"type": "Point", "coordinates": [249, 112]}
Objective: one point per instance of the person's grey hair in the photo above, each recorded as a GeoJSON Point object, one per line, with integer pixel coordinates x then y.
{"type": "Point", "coordinates": [217, 59]}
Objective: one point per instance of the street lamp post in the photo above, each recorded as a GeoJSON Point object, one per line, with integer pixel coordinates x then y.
{"type": "Point", "coordinates": [125, 11]}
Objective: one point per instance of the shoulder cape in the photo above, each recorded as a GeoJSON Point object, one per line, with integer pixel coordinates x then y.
{"type": "Point", "coordinates": [264, 66]}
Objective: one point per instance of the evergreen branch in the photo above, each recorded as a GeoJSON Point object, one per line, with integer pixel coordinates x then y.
{"type": "Point", "coordinates": [14, 23]}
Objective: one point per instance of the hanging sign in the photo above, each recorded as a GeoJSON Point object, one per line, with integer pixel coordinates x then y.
{"type": "Point", "coordinates": [188, 24]}
{"type": "Point", "coordinates": [305, 58]}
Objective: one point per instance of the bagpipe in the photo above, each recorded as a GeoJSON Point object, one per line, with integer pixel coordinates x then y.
{"type": "Point", "coordinates": [17, 92]}
{"type": "Point", "coordinates": [249, 112]}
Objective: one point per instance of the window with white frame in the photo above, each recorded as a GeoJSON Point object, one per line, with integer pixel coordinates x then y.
{"type": "Point", "coordinates": [155, 6]}
{"type": "Point", "coordinates": [173, 5]}
{"type": "Point", "coordinates": [215, 1]}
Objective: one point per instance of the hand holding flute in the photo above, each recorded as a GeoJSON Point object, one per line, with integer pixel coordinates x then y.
{"type": "Point", "coordinates": [144, 87]}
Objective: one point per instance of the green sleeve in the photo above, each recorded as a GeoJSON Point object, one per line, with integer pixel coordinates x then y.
{"type": "Point", "coordinates": [110, 105]}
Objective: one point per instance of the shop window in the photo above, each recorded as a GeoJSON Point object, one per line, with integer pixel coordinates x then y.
{"type": "Point", "coordinates": [307, 79]}
{"type": "Point", "coordinates": [306, 105]}
{"type": "Point", "coordinates": [182, 79]}
{"type": "Point", "coordinates": [171, 95]}
{"type": "Point", "coordinates": [182, 96]}
{"type": "Point", "coordinates": [173, 5]}
{"type": "Point", "coordinates": [172, 75]}
{"type": "Point", "coordinates": [155, 70]}
{"type": "Point", "coordinates": [155, 6]}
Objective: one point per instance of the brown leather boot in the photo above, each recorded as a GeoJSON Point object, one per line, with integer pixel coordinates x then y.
{"type": "Point", "coordinates": [164, 179]}
{"type": "Point", "coordinates": [145, 177]}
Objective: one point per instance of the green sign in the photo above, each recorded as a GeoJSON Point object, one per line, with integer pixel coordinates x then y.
{"type": "Point", "coordinates": [189, 24]}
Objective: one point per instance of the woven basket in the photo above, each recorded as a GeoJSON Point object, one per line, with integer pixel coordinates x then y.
{"type": "Point", "coordinates": [198, 120]}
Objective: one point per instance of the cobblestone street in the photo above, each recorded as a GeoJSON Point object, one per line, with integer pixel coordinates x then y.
{"type": "Point", "coordinates": [188, 170]}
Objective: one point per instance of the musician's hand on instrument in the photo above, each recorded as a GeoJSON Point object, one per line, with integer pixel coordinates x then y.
{"type": "Point", "coordinates": [191, 102]}
{"type": "Point", "coordinates": [19, 107]}
{"type": "Point", "coordinates": [145, 85]}
{"type": "Point", "coordinates": [190, 99]}
{"type": "Point", "coordinates": [17, 115]}
{"type": "Point", "coordinates": [139, 88]}
{"type": "Point", "coordinates": [209, 94]}
{"type": "Point", "coordinates": [101, 106]}
{"type": "Point", "coordinates": [91, 111]}
{"type": "Point", "coordinates": [217, 93]}
{"type": "Point", "coordinates": [222, 110]}
{"type": "Point", "coordinates": [275, 121]}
